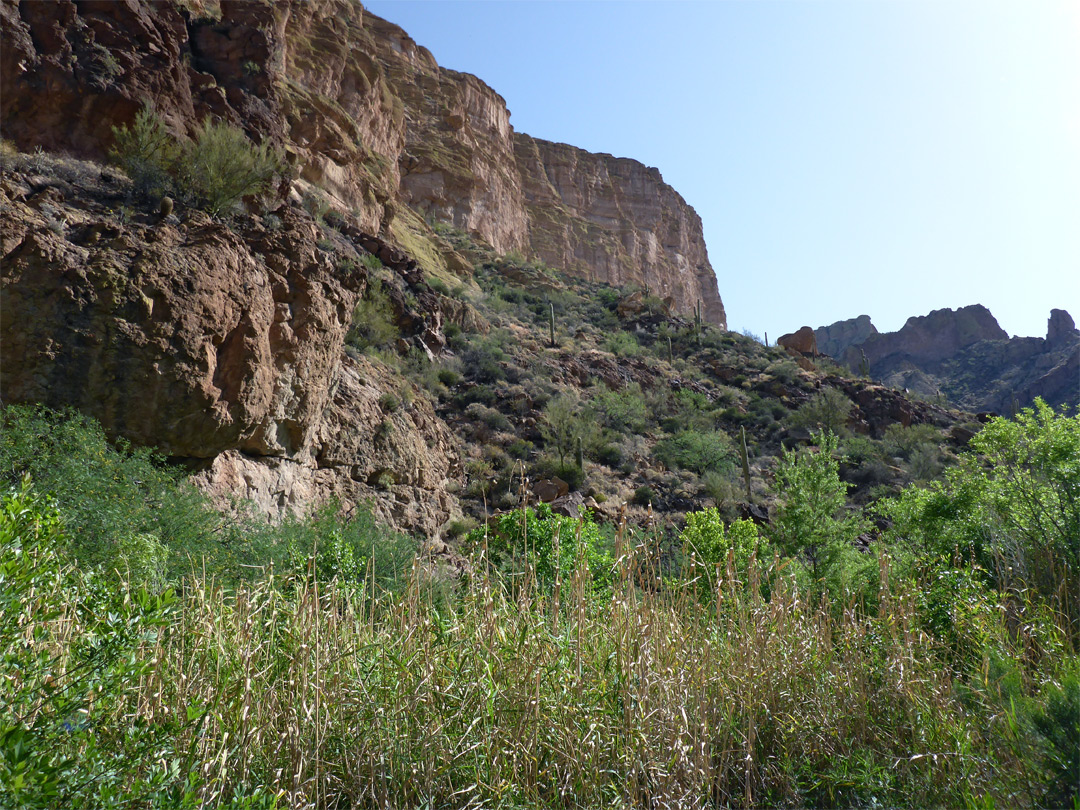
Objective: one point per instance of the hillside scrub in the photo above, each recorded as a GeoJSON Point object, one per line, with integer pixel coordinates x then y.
{"type": "Point", "coordinates": [566, 669]}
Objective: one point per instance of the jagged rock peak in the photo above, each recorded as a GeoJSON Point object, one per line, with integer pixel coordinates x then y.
{"type": "Point", "coordinates": [836, 338]}
{"type": "Point", "coordinates": [1060, 328]}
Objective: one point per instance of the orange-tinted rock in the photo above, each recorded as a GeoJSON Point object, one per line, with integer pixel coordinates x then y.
{"type": "Point", "coordinates": [803, 342]}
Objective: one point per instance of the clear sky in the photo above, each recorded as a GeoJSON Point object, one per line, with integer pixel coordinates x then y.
{"type": "Point", "coordinates": [886, 157]}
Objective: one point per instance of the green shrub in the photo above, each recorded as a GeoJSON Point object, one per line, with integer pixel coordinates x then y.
{"type": "Point", "coordinates": [148, 152]}
{"type": "Point", "coordinates": [696, 450]}
{"type": "Point", "coordinates": [222, 166]}
{"type": "Point", "coordinates": [622, 411]}
{"type": "Point", "coordinates": [214, 171]}
{"type": "Point", "coordinates": [622, 344]}
{"type": "Point", "coordinates": [373, 320]}
{"type": "Point", "coordinates": [714, 546]}
{"type": "Point", "coordinates": [810, 522]}
{"type": "Point", "coordinates": [546, 543]}
{"type": "Point", "coordinates": [826, 410]}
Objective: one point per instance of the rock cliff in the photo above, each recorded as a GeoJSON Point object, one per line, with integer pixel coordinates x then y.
{"type": "Point", "coordinates": [366, 117]}
{"type": "Point", "coordinates": [614, 220]}
{"type": "Point", "coordinates": [965, 355]}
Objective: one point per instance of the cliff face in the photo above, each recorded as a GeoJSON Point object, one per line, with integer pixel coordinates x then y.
{"type": "Point", "coordinates": [615, 220]}
{"type": "Point", "coordinates": [365, 116]}
{"type": "Point", "coordinates": [967, 356]}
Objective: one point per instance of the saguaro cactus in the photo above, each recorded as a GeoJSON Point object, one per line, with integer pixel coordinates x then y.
{"type": "Point", "coordinates": [745, 458]}
{"type": "Point", "coordinates": [552, 325]}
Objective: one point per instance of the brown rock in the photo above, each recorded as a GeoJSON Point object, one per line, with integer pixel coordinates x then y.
{"type": "Point", "coordinates": [550, 489]}
{"type": "Point", "coordinates": [804, 342]}
{"type": "Point", "coordinates": [568, 505]}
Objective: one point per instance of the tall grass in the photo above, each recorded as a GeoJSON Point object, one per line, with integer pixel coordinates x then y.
{"type": "Point", "coordinates": [333, 695]}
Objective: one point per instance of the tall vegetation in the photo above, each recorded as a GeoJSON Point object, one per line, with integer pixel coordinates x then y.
{"type": "Point", "coordinates": [566, 669]}
{"type": "Point", "coordinates": [214, 171]}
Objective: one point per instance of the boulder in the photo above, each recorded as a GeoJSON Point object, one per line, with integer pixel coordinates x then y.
{"type": "Point", "coordinates": [803, 342]}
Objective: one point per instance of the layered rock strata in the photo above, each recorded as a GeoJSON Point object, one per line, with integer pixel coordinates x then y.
{"type": "Point", "coordinates": [367, 119]}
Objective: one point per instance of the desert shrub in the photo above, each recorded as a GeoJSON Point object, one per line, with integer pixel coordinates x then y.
{"type": "Point", "coordinates": [1012, 505]}
{"type": "Point", "coordinates": [483, 358]}
{"type": "Point", "coordinates": [826, 410]}
{"type": "Point", "coordinates": [489, 416]}
{"type": "Point", "coordinates": [906, 441]}
{"type": "Point", "coordinates": [622, 344]}
{"type": "Point", "coordinates": [148, 152]}
{"type": "Point", "coordinates": [214, 171]}
{"type": "Point", "coordinates": [109, 495]}
{"type": "Point", "coordinates": [696, 450]}
{"type": "Point", "coordinates": [643, 496]}
{"type": "Point", "coordinates": [565, 423]}
{"type": "Point", "coordinates": [373, 320]}
{"type": "Point", "coordinates": [520, 449]}
{"type": "Point", "coordinates": [810, 522]}
{"type": "Point", "coordinates": [721, 551]}
{"type": "Point", "coordinates": [621, 411]}
{"type": "Point", "coordinates": [222, 166]}
{"type": "Point", "coordinates": [549, 545]}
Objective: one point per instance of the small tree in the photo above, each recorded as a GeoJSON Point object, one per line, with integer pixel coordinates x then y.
{"type": "Point", "coordinates": [809, 521]}
{"type": "Point", "coordinates": [827, 410]}
{"type": "Point", "coordinates": [562, 423]}
{"type": "Point", "coordinates": [148, 152]}
{"type": "Point", "coordinates": [221, 166]}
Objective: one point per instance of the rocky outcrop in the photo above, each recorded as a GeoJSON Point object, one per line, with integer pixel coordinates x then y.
{"type": "Point", "coordinates": [837, 338]}
{"type": "Point", "coordinates": [802, 342]}
{"type": "Point", "coordinates": [966, 356]}
{"type": "Point", "coordinates": [615, 220]}
{"type": "Point", "coordinates": [367, 119]}
{"type": "Point", "coordinates": [220, 346]}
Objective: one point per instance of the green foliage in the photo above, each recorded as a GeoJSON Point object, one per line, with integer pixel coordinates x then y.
{"type": "Point", "coordinates": [623, 411]}
{"type": "Point", "coordinates": [354, 549]}
{"type": "Point", "coordinates": [373, 320]}
{"type": "Point", "coordinates": [737, 550]}
{"type": "Point", "coordinates": [552, 547]}
{"type": "Point", "coordinates": [622, 344]}
{"type": "Point", "coordinates": [810, 521]}
{"type": "Point", "coordinates": [120, 505]}
{"type": "Point", "coordinates": [148, 152]}
{"type": "Point", "coordinates": [1012, 506]}
{"type": "Point", "coordinates": [563, 423]}
{"type": "Point", "coordinates": [827, 410]}
{"type": "Point", "coordinates": [214, 171]}
{"type": "Point", "coordinates": [696, 450]}
{"type": "Point", "coordinates": [221, 166]}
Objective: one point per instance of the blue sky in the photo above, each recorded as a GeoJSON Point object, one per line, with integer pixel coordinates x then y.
{"type": "Point", "coordinates": [886, 157]}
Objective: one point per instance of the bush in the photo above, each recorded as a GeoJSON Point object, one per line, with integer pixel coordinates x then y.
{"type": "Point", "coordinates": [827, 410]}
{"type": "Point", "coordinates": [148, 152]}
{"type": "Point", "coordinates": [697, 451]}
{"type": "Point", "coordinates": [214, 171]}
{"type": "Point", "coordinates": [373, 320]}
{"type": "Point", "coordinates": [548, 543]}
{"type": "Point", "coordinates": [221, 166]}
{"type": "Point", "coordinates": [713, 546]}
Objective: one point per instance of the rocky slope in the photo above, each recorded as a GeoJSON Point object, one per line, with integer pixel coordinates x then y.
{"type": "Point", "coordinates": [221, 345]}
{"type": "Point", "coordinates": [368, 120]}
{"type": "Point", "coordinates": [965, 355]}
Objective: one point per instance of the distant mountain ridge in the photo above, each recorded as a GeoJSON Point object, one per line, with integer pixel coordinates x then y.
{"type": "Point", "coordinates": [965, 355]}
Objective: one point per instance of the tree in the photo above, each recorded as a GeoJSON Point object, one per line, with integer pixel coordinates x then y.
{"type": "Point", "coordinates": [562, 423]}
{"type": "Point", "coordinates": [810, 521]}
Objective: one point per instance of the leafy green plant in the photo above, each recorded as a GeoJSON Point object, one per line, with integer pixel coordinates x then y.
{"type": "Point", "coordinates": [810, 521]}
{"type": "Point", "coordinates": [373, 320]}
{"type": "Point", "coordinates": [697, 450]}
{"type": "Point", "coordinates": [148, 152]}
{"type": "Point", "coordinates": [827, 410]}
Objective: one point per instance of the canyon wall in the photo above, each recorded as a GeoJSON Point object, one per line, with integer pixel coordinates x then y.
{"type": "Point", "coordinates": [366, 118]}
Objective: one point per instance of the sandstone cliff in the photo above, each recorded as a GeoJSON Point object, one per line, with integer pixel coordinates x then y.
{"type": "Point", "coordinates": [965, 355]}
{"type": "Point", "coordinates": [614, 220]}
{"type": "Point", "coordinates": [367, 119]}
{"type": "Point", "coordinates": [221, 346]}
